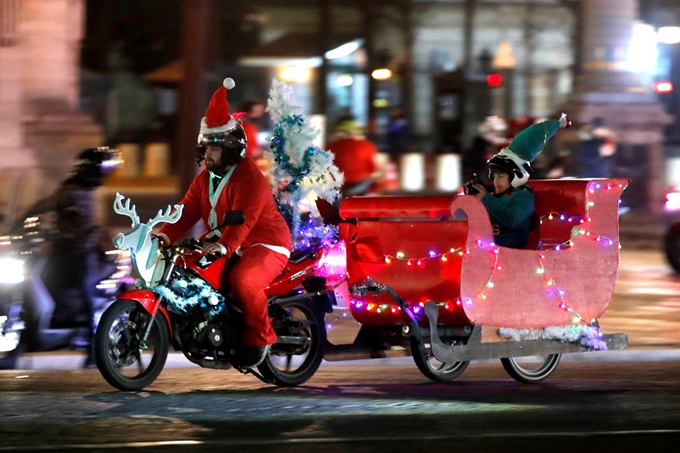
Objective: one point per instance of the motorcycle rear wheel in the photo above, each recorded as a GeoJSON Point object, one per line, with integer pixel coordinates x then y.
{"type": "Point", "coordinates": [116, 346]}
{"type": "Point", "coordinates": [289, 365]}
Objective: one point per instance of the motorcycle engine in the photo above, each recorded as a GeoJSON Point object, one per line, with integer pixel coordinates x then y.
{"type": "Point", "coordinates": [201, 337]}
{"type": "Point", "coordinates": [213, 335]}
{"type": "Point", "coordinates": [204, 324]}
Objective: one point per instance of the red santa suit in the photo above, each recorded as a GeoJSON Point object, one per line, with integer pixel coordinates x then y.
{"type": "Point", "coordinates": [355, 157]}
{"type": "Point", "coordinates": [263, 240]}
{"type": "Point", "coordinates": [253, 146]}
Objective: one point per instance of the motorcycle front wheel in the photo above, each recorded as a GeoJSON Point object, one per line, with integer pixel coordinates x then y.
{"type": "Point", "coordinates": [117, 346]}
{"type": "Point", "coordinates": [294, 359]}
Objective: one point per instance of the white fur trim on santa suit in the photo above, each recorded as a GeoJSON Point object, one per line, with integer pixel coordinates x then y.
{"type": "Point", "coordinates": [230, 126]}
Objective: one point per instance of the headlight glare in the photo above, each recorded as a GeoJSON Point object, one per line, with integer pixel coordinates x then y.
{"type": "Point", "coordinates": [11, 270]}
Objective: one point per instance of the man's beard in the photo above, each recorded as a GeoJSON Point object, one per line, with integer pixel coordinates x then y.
{"type": "Point", "coordinates": [214, 166]}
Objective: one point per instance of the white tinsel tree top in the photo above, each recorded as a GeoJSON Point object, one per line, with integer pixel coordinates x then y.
{"type": "Point", "coordinates": [303, 172]}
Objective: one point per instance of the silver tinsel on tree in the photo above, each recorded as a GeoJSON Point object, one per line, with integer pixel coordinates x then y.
{"type": "Point", "coordinates": [303, 172]}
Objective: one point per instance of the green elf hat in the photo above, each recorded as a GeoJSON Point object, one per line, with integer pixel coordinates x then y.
{"type": "Point", "coordinates": [531, 141]}
{"type": "Point", "coordinates": [524, 148]}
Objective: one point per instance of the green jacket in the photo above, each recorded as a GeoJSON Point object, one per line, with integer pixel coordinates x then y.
{"type": "Point", "coordinates": [510, 214]}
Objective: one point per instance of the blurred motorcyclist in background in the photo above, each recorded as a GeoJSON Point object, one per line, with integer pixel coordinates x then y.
{"type": "Point", "coordinates": [355, 156]}
{"type": "Point", "coordinates": [75, 260]}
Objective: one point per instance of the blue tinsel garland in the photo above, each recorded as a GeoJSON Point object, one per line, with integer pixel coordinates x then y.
{"type": "Point", "coordinates": [309, 234]}
{"type": "Point", "coordinates": [296, 172]}
{"type": "Point", "coordinates": [185, 295]}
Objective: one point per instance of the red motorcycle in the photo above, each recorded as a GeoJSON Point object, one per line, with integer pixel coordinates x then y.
{"type": "Point", "coordinates": [181, 303]}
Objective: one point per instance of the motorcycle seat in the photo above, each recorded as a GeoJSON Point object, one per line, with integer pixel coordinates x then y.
{"type": "Point", "coordinates": [300, 255]}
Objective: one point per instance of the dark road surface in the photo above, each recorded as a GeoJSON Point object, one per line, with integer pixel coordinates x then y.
{"type": "Point", "coordinates": [585, 406]}
{"type": "Point", "coordinates": [615, 401]}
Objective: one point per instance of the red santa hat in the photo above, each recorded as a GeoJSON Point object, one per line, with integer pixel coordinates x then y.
{"type": "Point", "coordinates": [217, 118]}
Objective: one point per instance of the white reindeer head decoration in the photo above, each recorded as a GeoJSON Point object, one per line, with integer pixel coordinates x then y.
{"type": "Point", "coordinates": [143, 248]}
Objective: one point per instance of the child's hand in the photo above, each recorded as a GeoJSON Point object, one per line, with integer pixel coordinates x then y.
{"type": "Point", "coordinates": [481, 190]}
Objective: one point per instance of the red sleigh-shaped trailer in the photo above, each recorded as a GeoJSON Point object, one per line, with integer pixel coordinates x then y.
{"type": "Point", "coordinates": [426, 278]}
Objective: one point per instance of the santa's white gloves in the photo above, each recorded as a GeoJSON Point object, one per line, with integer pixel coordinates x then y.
{"type": "Point", "coordinates": [214, 248]}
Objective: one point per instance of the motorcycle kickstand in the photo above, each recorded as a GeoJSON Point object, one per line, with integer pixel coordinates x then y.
{"type": "Point", "coordinates": [256, 374]}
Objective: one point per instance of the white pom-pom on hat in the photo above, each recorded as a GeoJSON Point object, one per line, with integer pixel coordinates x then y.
{"type": "Point", "coordinates": [229, 83]}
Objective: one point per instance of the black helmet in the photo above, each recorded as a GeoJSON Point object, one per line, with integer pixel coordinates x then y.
{"type": "Point", "coordinates": [93, 164]}
{"type": "Point", "coordinates": [232, 142]}
{"type": "Point", "coordinates": [519, 175]}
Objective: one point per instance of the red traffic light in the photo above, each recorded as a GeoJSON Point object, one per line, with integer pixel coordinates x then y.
{"type": "Point", "coordinates": [494, 80]}
{"type": "Point", "coordinates": [662, 86]}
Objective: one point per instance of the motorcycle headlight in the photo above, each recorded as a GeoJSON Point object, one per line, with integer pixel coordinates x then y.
{"type": "Point", "coordinates": [11, 270]}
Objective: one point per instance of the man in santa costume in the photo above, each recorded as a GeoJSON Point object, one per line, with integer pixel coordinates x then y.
{"type": "Point", "coordinates": [355, 157]}
{"type": "Point", "coordinates": [232, 182]}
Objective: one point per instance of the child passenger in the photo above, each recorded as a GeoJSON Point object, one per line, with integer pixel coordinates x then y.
{"type": "Point", "coordinates": [511, 204]}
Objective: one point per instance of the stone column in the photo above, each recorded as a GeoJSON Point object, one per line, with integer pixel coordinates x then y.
{"type": "Point", "coordinates": [50, 40]}
{"type": "Point", "coordinates": [605, 88]}
{"type": "Point", "coordinates": [11, 88]}
{"type": "Point", "coordinates": [51, 35]}
{"type": "Point", "coordinates": [16, 160]}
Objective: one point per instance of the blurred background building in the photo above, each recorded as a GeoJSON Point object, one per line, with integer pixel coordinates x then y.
{"type": "Point", "coordinates": [138, 75]}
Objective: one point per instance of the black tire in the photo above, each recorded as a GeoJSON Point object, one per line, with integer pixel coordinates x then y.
{"type": "Point", "coordinates": [116, 346]}
{"type": "Point", "coordinates": [527, 372]}
{"type": "Point", "coordinates": [671, 246]}
{"type": "Point", "coordinates": [436, 370]}
{"type": "Point", "coordinates": [291, 365]}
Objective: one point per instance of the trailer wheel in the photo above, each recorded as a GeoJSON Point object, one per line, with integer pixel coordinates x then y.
{"type": "Point", "coordinates": [434, 369]}
{"type": "Point", "coordinates": [530, 370]}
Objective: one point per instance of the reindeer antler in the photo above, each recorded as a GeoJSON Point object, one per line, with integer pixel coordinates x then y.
{"type": "Point", "coordinates": [125, 210]}
{"type": "Point", "coordinates": [168, 216]}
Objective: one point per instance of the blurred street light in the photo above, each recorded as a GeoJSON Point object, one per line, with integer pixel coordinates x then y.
{"type": "Point", "coordinates": [381, 74]}
{"type": "Point", "coordinates": [505, 57]}
{"type": "Point", "coordinates": [344, 50]}
{"type": "Point", "coordinates": [344, 80]}
{"type": "Point", "coordinates": [668, 35]}
{"type": "Point", "coordinates": [642, 50]}
{"type": "Point", "coordinates": [494, 80]}
{"type": "Point", "coordinates": [505, 62]}
{"type": "Point", "coordinates": [297, 74]}
{"type": "Point", "coordinates": [662, 87]}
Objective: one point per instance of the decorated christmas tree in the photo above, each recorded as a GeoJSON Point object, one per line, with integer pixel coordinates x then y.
{"type": "Point", "coordinates": [302, 171]}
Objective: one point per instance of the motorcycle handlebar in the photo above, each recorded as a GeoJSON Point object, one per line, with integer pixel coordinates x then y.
{"type": "Point", "coordinates": [187, 243]}
{"type": "Point", "coordinates": [190, 243]}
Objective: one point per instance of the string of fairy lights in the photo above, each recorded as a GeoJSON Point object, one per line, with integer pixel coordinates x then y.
{"type": "Point", "coordinates": [553, 289]}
